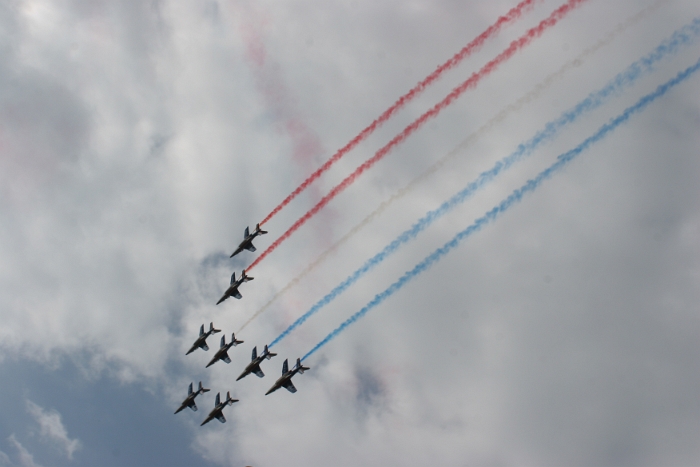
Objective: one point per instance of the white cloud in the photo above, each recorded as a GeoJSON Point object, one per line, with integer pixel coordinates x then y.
{"type": "Point", "coordinates": [139, 139]}
{"type": "Point", "coordinates": [51, 427]}
{"type": "Point", "coordinates": [5, 460]}
{"type": "Point", "coordinates": [26, 459]}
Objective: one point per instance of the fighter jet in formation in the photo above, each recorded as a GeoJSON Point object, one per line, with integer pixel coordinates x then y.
{"type": "Point", "coordinates": [247, 243]}
{"type": "Point", "coordinates": [222, 353]}
{"type": "Point", "coordinates": [217, 412]}
{"type": "Point", "coordinates": [232, 291]}
{"type": "Point", "coordinates": [286, 379]}
{"type": "Point", "coordinates": [201, 342]}
{"type": "Point", "coordinates": [254, 365]}
{"type": "Point", "coordinates": [189, 401]}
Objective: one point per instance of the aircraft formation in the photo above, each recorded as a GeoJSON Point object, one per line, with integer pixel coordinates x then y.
{"type": "Point", "coordinates": [681, 37]}
{"type": "Point", "coordinates": [221, 354]}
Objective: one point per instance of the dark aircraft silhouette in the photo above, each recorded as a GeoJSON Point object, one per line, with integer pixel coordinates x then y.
{"type": "Point", "coordinates": [247, 243]}
{"type": "Point", "coordinates": [201, 342]}
{"type": "Point", "coordinates": [222, 353]}
{"type": "Point", "coordinates": [189, 401]}
{"type": "Point", "coordinates": [286, 379]}
{"type": "Point", "coordinates": [218, 413]}
{"type": "Point", "coordinates": [254, 365]}
{"type": "Point", "coordinates": [232, 291]}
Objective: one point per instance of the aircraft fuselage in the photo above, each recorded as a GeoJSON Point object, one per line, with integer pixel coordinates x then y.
{"type": "Point", "coordinates": [247, 243]}
{"type": "Point", "coordinates": [191, 396]}
{"type": "Point", "coordinates": [217, 412]}
{"type": "Point", "coordinates": [221, 354]}
{"type": "Point", "coordinates": [198, 343]}
{"type": "Point", "coordinates": [285, 380]}
{"type": "Point", "coordinates": [253, 367]}
{"type": "Point", "coordinates": [189, 402]}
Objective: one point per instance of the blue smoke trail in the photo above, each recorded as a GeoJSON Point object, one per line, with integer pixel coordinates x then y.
{"type": "Point", "coordinates": [514, 198]}
{"type": "Point", "coordinates": [681, 37]}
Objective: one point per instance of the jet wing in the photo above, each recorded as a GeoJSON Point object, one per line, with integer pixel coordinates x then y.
{"type": "Point", "coordinates": [204, 346]}
{"type": "Point", "coordinates": [220, 417]}
{"type": "Point", "coordinates": [193, 406]}
{"type": "Point", "coordinates": [238, 295]}
{"type": "Point", "coordinates": [258, 372]}
{"type": "Point", "coordinates": [225, 358]}
{"type": "Point", "coordinates": [289, 386]}
{"type": "Point", "coordinates": [250, 248]}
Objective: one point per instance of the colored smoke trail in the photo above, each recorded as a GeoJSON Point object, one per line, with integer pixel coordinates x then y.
{"type": "Point", "coordinates": [500, 117]}
{"type": "Point", "coordinates": [475, 78]}
{"type": "Point", "coordinates": [278, 100]}
{"type": "Point", "coordinates": [514, 14]}
{"type": "Point", "coordinates": [515, 197]}
{"type": "Point", "coordinates": [628, 77]}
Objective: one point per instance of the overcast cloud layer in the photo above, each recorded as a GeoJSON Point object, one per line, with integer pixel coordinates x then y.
{"type": "Point", "coordinates": [138, 140]}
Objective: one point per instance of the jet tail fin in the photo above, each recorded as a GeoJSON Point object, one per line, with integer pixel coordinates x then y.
{"type": "Point", "coordinates": [212, 329]}
{"type": "Point", "coordinates": [301, 368]}
{"type": "Point", "coordinates": [246, 278]}
{"type": "Point", "coordinates": [202, 389]}
{"type": "Point", "coordinates": [268, 354]}
{"type": "Point", "coordinates": [235, 342]}
{"type": "Point", "coordinates": [229, 400]}
{"type": "Point", "coordinates": [259, 230]}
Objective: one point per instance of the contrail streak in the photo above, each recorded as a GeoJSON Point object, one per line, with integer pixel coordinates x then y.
{"type": "Point", "coordinates": [502, 115]}
{"type": "Point", "coordinates": [514, 14]}
{"type": "Point", "coordinates": [475, 78]}
{"type": "Point", "coordinates": [628, 77]}
{"type": "Point", "coordinates": [512, 199]}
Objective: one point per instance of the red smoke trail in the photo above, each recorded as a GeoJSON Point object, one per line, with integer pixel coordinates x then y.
{"type": "Point", "coordinates": [473, 80]}
{"type": "Point", "coordinates": [511, 16]}
{"type": "Point", "coordinates": [279, 101]}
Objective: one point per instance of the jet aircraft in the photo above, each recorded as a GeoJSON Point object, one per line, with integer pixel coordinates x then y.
{"type": "Point", "coordinates": [247, 243]}
{"type": "Point", "coordinates": [222, 353]}
{"type": "Point", "coordinates": [218, 411]}
{"type": "Point", "coordinates": [201, 342]}
{"type": "Point", "coordinates": [286, 379]}
{"type": "Point", "coordinates": [254, 365]}
{"type": "Point", "coordinates": [189, 401]}
{"type": "Point", "coordinates": [232, 291]}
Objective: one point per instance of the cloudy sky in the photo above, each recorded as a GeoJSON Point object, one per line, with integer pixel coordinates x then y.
{"type": "Point", "coordinates": [139, 138]}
